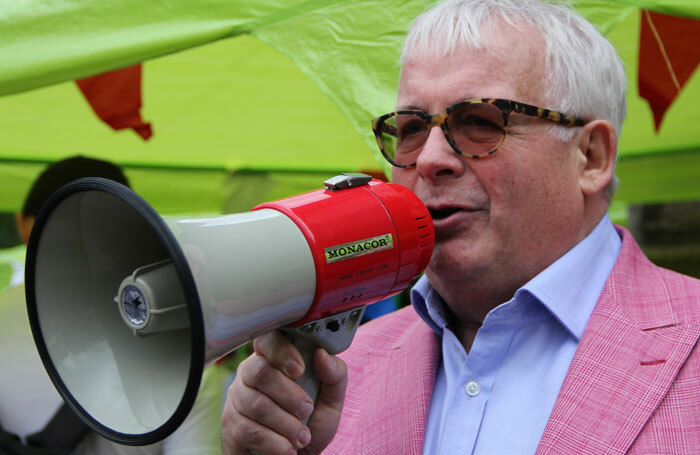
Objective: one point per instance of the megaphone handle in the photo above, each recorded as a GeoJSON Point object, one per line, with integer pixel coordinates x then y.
{"type": "Point", "coordinates": [332, 333]}
{"type": "Point", "coordinates": [308, 381]}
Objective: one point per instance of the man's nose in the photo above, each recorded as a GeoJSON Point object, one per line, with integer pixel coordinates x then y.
{"type": "Point", "coordinates": [438, 158]}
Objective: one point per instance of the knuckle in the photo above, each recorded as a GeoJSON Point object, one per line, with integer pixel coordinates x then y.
{"type": "Point", "coordinates": [255, 436]}
{"type": "Point", "coordinates": [340, 365]}
{"type": "Point", "coordinates": [254, 371]}
{"type": "Point", "coordinates": [230, 440]}
{"type": "Point", "coordinates": [230, 412]}
{"type": "Point", "coordinates": [234, 388]}
{"type": "Point", "coordinates": [260, 372]}
{"type": "Point", "coordinates": [245, 433]}
{"type": "Point", "coordinates": [257, 345]}
{"type": "Point", "coordinates": [260, 406]}
{"type": "Point", "coordinates": [227, 416]}
{"type": "Point", "coordinates": [343, 370]}
{"type": "Point", "coordinates": [234, 434]}
{"type": "Point", "coordinates": [248, 362]}
{"type": "Point", "coordinates": [243, 370]}
{"type": "Point", "coordinates": [234, 395]}
{"type": "Point", "coordinates": [241, 431]}
{"type": "Point", "coordinates": [266, 343]}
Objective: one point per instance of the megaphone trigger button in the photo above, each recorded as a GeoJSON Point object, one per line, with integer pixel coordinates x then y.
{"type": "Point", "coordinates": [333, 325]}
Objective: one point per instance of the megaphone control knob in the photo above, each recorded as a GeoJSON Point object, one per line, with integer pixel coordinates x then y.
{"type": "Point", "coordinates": [347, 180]}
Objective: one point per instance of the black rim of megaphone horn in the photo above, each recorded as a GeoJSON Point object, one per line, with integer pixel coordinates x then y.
{"type": "Point", "coordinates": [194, 310]}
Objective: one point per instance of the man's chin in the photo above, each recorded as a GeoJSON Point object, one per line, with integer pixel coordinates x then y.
{"type": "Point", "coordinates": [450, 263]}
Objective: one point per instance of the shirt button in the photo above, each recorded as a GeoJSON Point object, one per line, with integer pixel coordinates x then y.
{"type": "Point", "coordinates": [472, 388]}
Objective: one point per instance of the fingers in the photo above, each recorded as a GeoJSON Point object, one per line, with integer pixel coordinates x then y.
{"type": "Point", "coordinates": [247, 437]}
{"type": "Point", "coordinates": [266, 391]}
{"type": "Point", "coordinates": [264, 406]}
{"type": "Point", "coordinates": [280, 353]}
{"type": "Point", "coordinates": [263, 410]}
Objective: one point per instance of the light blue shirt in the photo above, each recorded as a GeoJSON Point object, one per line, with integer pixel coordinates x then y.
{"type": "Point", "coordinates": [497, 399]}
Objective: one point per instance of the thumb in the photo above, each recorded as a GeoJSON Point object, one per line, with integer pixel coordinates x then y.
{"type": "Point", "coordinates": [333, 377]}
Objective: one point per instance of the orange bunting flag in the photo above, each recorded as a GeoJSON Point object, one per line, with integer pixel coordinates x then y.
{"type": "Point", "coordinates": [669, 53]}
{"type": "Point", "coordinates": [116, 99]}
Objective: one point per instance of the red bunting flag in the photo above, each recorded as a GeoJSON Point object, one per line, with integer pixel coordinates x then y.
{"type": "Point", "coordinates": [116, 99]}
{"type": "Point", "coordinates": [669, 53]}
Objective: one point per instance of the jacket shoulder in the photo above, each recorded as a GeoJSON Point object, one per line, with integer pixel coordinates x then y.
{"type": "Point", "coordinates": [683, 295]}
{"type": "Point", "coordinates": [651, 295]}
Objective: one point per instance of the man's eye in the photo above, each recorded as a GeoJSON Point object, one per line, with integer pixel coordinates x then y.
{"type": "Point", "coordinates": [474, 121]}
{"type": "Point", "coordinates": [410, 128]}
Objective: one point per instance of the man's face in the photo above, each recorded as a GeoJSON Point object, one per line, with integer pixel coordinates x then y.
{"type": "Point", "coordinates": [499, 220]}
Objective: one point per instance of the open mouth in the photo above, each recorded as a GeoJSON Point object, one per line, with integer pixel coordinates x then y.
{"type": "Point", "coordinates": [439, 214]}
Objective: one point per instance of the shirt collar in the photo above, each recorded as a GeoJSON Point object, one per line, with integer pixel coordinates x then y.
{"type": "Point", "coordinates": [429, 305]}
{"type": "Point", "coordinates": [569, 288]}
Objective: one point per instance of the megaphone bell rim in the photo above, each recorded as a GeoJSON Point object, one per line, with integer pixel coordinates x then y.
{"type": "Point", "coordinates": [175, 253]}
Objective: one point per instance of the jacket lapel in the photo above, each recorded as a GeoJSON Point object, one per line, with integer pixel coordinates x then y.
{"type": "Point", "coordinates": [628, 356]}
{"type": "Point", "coordinates": [400, 393]}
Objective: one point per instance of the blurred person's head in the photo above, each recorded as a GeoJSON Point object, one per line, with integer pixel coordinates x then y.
{"type": "Point", "coordinates": [54, 177]}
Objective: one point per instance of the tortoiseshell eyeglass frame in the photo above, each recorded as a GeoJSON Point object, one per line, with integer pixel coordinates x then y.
{"type": "Point", "coordinates": [379, 125]}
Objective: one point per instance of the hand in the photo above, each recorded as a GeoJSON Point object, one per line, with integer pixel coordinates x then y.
{"type": "Point", "coordinates": [264, 406]}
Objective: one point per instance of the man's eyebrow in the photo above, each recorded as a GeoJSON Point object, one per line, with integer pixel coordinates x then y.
{"type": "Point", "coordinates": [411, 107]}
{"type": "Point", "coordinates": [415, 107]}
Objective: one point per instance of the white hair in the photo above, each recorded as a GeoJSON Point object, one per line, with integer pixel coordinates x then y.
{"type": "Point", "coordinates": [584, 78]}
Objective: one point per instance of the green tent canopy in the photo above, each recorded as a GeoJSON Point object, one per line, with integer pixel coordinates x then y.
{"type": "Point", "coordinates": [227, 117]}
{"type": "Point", "coordinates": [250, 101]}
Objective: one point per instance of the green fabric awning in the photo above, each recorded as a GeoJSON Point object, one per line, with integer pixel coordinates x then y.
{"type": "Point", "coordinates": [253, 100]}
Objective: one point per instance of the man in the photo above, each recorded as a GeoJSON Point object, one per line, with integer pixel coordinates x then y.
{"type": "Point", "coordinates": [33, 418]}
{"type": "Point", "coordinates": [539, 327]}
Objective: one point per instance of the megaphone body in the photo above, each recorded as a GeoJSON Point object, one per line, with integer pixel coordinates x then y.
{"type": "Point", "coordinates": [127, 308]}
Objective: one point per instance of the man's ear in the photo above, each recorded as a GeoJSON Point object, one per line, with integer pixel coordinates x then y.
{"type": "Point", "coordinates": [598, 149]}
{"type": "Point", "coordinates": [24, 226]}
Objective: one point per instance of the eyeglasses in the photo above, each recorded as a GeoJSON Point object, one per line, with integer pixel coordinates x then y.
{"type": "Point", "coordinates": [475, 128]}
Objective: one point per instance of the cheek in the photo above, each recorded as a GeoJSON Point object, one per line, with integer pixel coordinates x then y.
{"type": "Point", "coordinates": [525, 194]}
{"type": "Point", "coordinates": [505, 183]}
{"type": "Point", "coordinates": [405, 177]}
{"type": "Point", "coordinates": [544, 200]}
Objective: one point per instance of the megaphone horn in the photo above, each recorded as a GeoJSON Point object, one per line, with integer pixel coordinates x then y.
{"type": "Point", "coordinates": [127, 308]}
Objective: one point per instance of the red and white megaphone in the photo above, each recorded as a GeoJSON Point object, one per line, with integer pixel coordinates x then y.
{"type": "Point", "coordinates": [127, 308]}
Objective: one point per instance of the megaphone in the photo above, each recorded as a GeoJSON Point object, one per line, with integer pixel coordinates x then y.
{"type": "Point", "coordinates": [127, 308]}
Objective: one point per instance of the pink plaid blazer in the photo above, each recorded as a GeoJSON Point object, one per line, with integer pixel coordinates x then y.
{"type": "Point", "coordinates": [633, 385]}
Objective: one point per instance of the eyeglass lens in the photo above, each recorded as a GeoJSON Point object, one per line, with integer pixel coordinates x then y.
{"type": "Point", "coordinates": [475, 129]}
